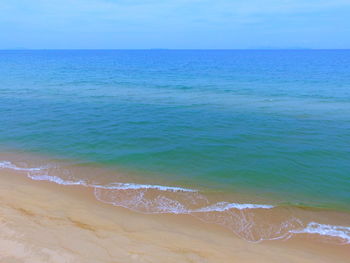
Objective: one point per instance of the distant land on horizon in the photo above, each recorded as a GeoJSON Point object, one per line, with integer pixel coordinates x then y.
{"type": "Point", "coordinates": [160, 49]}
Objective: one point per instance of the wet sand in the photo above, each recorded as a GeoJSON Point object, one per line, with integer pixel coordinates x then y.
{"type": "Point", "coordinates": [46, 222]}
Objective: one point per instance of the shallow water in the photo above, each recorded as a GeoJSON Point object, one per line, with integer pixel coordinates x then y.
{"type": "Point", "coordinates": [272, 123]}
{"type": "Point", "coordinates": [254, 222]}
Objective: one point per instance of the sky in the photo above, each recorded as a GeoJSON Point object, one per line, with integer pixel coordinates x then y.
{"type": "Point", "coordinates": [174, 24]}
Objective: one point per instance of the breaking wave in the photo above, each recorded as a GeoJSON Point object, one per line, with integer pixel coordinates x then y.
{"type": "Point", "coordinates": [253, 222]}
{"type": "Point", "coordinates": [340, 232]}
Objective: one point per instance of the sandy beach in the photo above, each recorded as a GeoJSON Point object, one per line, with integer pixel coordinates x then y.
{"type": "Point", "coordinates": [46, 222]}
{"type": "Point", "coordinates": [174, 131]}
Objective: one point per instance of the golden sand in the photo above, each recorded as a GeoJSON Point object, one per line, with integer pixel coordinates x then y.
{"type": "Point", "coordinates": [45, 222]}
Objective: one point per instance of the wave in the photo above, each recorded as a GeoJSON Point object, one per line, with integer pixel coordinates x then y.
{"type": "Point", "coordinates": [224, 206]}
{"type": "Point", "coordinates": [9, 165]}
{"type": "Point", "coordinates": [341, 232]}
{"type": "Point", "coordinates": [114, 186]}
{"type": "Point", "coordinates": [133, 186]}
{"type": "Point", "coordinates": [56, 179]}
{"type": "Point", "coordinates": [253, 222]}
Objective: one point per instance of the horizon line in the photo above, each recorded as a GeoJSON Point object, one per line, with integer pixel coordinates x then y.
{"type": "Point", "coordinates": [160, 49]}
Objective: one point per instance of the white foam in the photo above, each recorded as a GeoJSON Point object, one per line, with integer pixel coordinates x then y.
{"type": "Point", "coordinates": [161, 204]}
{"type": "Point", "coordinates": [224, 206]}
{"type": "Point", "coordinates": [55, 179]}
{"type": "Point", "coordinates": [9, 165]}
{"type": "Point", "coordinates": [341, 232]}
{"type": "Point", "coordinates": [218, 207]}
{"type": "Point", "coordinates": [132, 186]}
{"type": "Point", "coordinates": [115, 186]}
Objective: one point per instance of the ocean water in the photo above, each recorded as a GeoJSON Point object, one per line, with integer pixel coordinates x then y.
{"type": "Point", "coordinates": [271, 123]}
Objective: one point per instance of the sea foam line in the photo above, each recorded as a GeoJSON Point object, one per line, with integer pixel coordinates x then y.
{"type": "Point", "coordinates": [114, 186]}
{"type": "Point", "coordinates": [9, 165]}
{"type": "Point", "coordinates": [133, 186]}
{"type": "Point", "coordinates": [224, 206]}
{"type": "Point", "coordinates": [218, 207]}
{"type": "Point", "coordinates": [341, 232]}
{"type": "Point", "coordinates": [334, 231]}
{"type": "Point", "coordinates": [56, 179]}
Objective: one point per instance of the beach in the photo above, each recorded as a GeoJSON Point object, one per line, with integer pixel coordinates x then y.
{"type": "Point", "coordinates": [174, 156]}
{"type": "Point", "coordinates": [45, 222]}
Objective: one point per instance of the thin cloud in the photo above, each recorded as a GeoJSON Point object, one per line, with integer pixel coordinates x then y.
{"type": "Point", "coordinates": [174, 23]}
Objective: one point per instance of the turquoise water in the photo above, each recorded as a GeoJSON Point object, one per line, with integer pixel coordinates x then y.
{"type": "Point", "coordinates": [275, 123]}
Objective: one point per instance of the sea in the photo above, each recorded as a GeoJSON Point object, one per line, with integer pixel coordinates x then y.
{"type": "Point", "coordinates": [257, 141]}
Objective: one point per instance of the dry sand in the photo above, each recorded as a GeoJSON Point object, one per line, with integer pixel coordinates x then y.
{"type": "Point", "coordinates": [45, 222]}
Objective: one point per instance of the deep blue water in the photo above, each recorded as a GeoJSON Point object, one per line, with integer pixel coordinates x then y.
{"type": "Point", "coordinates": [275, 122]}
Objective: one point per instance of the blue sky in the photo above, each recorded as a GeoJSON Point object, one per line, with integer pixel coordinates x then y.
{"type": "Point", "coordinates": [217, 24]}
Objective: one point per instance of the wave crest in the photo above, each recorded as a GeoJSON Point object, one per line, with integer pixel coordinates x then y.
{"type": "Point", "coordinates": [253, 222]}
{"type": "Point", "coordinates": [340, 232]}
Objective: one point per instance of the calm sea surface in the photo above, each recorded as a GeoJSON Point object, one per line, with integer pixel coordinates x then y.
{"type": "Point", "coordinates": [275, 123]}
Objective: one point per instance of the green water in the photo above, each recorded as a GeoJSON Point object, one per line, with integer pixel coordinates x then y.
{"type": "Point", "coordinates": [274, 123]}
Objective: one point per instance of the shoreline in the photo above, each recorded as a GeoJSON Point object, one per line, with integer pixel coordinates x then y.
{"type": "Point", "coordinates": [247, 217]}
{"type": "Point", "coordinates": [46, 222]}
{"type": "Point", "coordinates": [197, 157]}
{"type": "Point", "coordinates": [27, 162]}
